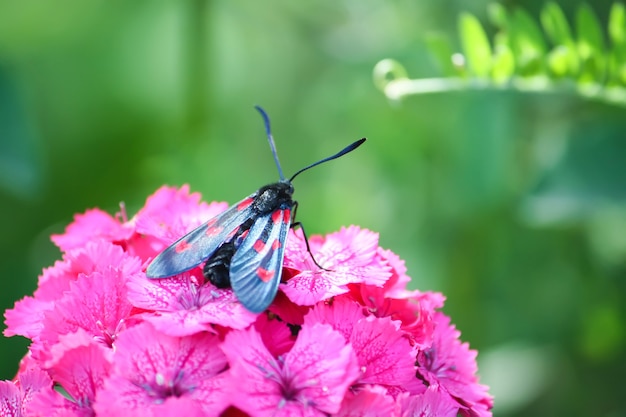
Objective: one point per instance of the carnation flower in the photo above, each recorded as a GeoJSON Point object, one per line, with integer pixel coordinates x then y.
{"type": "Point", "coordinates": [347, 340]}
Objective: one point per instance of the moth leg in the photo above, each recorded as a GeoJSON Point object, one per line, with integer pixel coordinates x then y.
{"type": "Point", "coordinates": [308, 248]}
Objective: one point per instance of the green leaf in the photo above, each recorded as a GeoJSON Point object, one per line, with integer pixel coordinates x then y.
{"type": "Point", "coordinates": [563, 59]}
{"type": "Point", "coordinates": [617, 24]}
{"type": "Point", "coordinates": [527, 43]}
{"type": "Point", "coordinates": [440, 47]}
{"type": "Point", "coordinates": [589, 29]}
{"type": "Point", "coordinates": [503, 59]}
{"type": "Point", "coordinates": [617, 36]}
{"type": "Point", "coordinates": [475, 44]}
{"type": "Point", "coordinates": [555, 24]}
{"type": "Point", "coordinates": [559, 60]}
{"type": "Point", "coordinates": [498, 15]}
{"type": "Point", "coordinates": [590, 45]}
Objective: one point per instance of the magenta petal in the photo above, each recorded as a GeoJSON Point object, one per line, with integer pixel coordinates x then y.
{"type": "Point", "coordinates": [25, 319]}
{"type": "Point", "coordinates": [10, 399]}
{"type": "Point", "coordinates": [451, 364]}
{"type": "Point", "coordinates": [323, 357]}
{"type": "Point", "coordinates": [342, 315]}
{"type": "Point", "coordinates": [275, 334]}
{"type": "Point", "coordinates": [349, 256]}
{"type": "Point", "coordinates": [81, 367]}
{"type": "Point", "coordinates": [180, 306]}
{"type": "Point", "coordinates": [170, 213]}
{"type": "Point", "coordinates": [433, 402]}
{"type": "Point", "coordinates": [385, 354]}
{"type": "Point", "coordinates": [180, 407]}
{"type": "Point", "coordinates": [312, 377]}
{"type": "Point", "coordinates": [93, 225]}
{"type": "Point", "coordinates": [369, 401]}
{"type": "Point", "coordinates": [16, 396]}
{"type": "Point", "coordinates": [96, 303]}
{"type": "Point", "coordinates": [151, 367]}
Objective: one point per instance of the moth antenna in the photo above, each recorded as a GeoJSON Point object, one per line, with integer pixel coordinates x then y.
{"type": "Point", "coordinates": [342, 152]}
{"type": "Point", "coordinates": [270, 139]}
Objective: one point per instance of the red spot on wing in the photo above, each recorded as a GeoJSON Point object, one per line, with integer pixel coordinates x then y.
{"type": "Point", "coordinates": [276, 244]}
{"type": "Point", "coordinates": [182, 246]}
{"type": "Point", "coordinates": [264, 275]}
{"type": "Point", "coordinates": [276, 216]}
{"type": "Point", "coordinates": [258, 246]}
{"type": "Point", "coordinates": [211, 222]}
{"type": "Point", "coordinates": [287, 216]}
{"type": "Point", "coordinates": [214, 231]}
{"type": "Point", "coordinates": [245, 204]}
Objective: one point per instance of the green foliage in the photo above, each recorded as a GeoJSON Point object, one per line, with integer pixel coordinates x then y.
{"type": "Point", "coordinates": [475, 45]}
{"type": "Point", "coordinates": [529, 186]}
{"type": "Point", "coordinates": [552, 55]}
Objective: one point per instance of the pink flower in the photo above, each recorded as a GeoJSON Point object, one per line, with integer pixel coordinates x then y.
{"type": "Point", "coordinates": [414, 310]}
{"type": "Point", "coordinates": [16, 396]}
{"type": "Point", "coordinates": [452, 365]}
{"type": "Point", "coordinates": [276, 334]}
{"type": "Point", "coordinates": [96, 303]}
{"type": "Point", "coordinates": [433, 402]}
{"type": "Point", "coordinates": [151, 370]}
{"type": "Point", "coordinates": [169, 214]}
{"type": "Point", "coordinates": [348, 256]}
{"type": "Point", "coordinates": [368, 401]}
{"type": "Point", "coordinates": [384, 353]}
{"type": "Point", "coordinates": [93, 225]}
{"type": "Point", "coordinates": [311, 379]}
{"type": "Point", "coordinates": [27, 317]}
{"type": "Point", "coordinates": [79, 365]}
{"type": "Point", "coordinates": [348, 340]}
{"type": "Point", "coordinates": [184, 305]}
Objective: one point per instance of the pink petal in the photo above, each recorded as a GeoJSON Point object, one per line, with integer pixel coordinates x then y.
{"type": "Point", "coordinates": [80, 366]}
{"type": "Point", "coordinates": [16, 397]}
{"type": "Point", "coordinates": [151, 367]}
{"type": "Point", "coordinates": [181, 306]}
{"type": "Point", "coordinates": [25, 318]}
{"type": "Point", "coordinates": [384, 352]}
{"type": "Point", "coordinates": [433, 402]}
{"type": "Point", "coordinates": [396, 285]}
{"type": "Point", "coordinates": [94, 224]}
{"type": "Point", "coordinates": [451, 364]}
{"type": "Point", "coordinates": [313, 377]}
{"type": "Point", "coordinates": [342, 315]}
{"type": "Point", "coordinates": [10, 399]}
{"type": "Point", "coordinates": [289, 312]}
{"type": "Point", "coordinates": [170, 213]}
{"type": "Point", "coordinates": [95, 303]}
{"type": "Point", "coordinates": [370, 401]}
{"type": "Point", "coordinates": [320, 354]}
{"type": "Point", "coordinates": [350, 256]}
{"type": "Point", "coordinates": [275, 334]}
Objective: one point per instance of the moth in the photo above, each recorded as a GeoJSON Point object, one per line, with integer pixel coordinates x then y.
{"type": "Point", "coordinates": [244, 246]}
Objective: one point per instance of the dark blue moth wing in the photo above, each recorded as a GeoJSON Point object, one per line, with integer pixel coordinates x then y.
{"type": "Point", "coordinates": [256, 267]}
{"type": "Point", "coordinates": [195, 247]}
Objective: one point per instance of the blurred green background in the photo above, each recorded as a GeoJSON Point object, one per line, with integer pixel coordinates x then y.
{"type": "Point", "coordinates": [510, 203]}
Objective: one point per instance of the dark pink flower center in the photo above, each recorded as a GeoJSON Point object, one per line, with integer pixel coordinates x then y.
{"type": "Point", "coordinates": [427, 361]}
{"type": "Point", "coordinates": [162, 388]}
{"type": "Point", "coordinates": [107, 337]}
{"type": "Point", "coordinates": [285, 379]}
{"type": "Point", "coordinates": [196, 297]}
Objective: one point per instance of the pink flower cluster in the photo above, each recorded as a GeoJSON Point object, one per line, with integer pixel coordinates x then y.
{"type": "Point", "coordinates": [347, 341]}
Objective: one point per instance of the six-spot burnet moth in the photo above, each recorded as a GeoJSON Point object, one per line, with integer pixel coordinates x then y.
{"type": "Point", "coordinates": [243, 246]}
